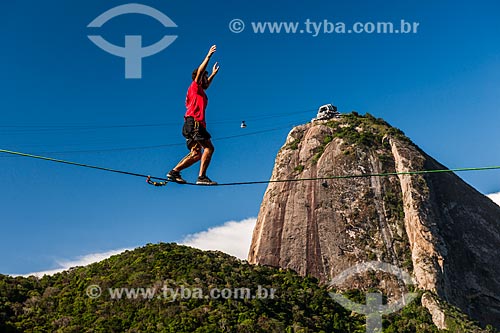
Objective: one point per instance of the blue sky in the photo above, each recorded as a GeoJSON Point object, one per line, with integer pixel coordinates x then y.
{"type": "Point", "coordinates": [63, 97]}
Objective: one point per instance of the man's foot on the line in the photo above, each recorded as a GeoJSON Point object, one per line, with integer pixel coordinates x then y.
{"type": "Point", "coordinates": [204, 180]}
{"type": "Point", "coordinates": [175, 176]}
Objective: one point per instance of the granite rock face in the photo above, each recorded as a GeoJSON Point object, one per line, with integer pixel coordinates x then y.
{"type": "Point", "coordinates": [434, 226]}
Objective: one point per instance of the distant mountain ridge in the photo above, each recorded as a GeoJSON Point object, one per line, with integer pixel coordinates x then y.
{"type": "Point", "coordinates": [437, 227]}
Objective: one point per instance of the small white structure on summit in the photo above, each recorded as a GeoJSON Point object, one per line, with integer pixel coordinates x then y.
{"type": "Point", "coordinates": [325, 112]}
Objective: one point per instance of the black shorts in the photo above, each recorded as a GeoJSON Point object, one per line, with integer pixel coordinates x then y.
{"type": "Point", "coordinates": [193, 131]}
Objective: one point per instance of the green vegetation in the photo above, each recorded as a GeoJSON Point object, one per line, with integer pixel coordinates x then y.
{"type": "Point", "coordinates": [318, 152]}
{"type": "Point", "coordinates": [299, 168]}
{"type": "Point", "coordinates": [394, 205]}
{"type": "Point", "coordinates": [359, 130]}
{"type": "Point", "coordinates": [321, 149]}
{"type": "Point", "coordinates": [364, 130]}
{"type": "Point", "coordinates": [60, 303]}
{"type": "Point", "coordinates": [457, 321]}
{"type": "Point", "coordinates": [294, 145]}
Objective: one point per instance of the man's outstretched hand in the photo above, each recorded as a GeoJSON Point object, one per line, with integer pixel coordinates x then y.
{"type": "Point", "coordinates": [212, 50]}
{"type": "Point", "coordinates": [215, 69]}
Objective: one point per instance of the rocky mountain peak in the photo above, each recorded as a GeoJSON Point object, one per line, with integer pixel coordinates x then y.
{"type": "Point", "coordinates": [435, 226]}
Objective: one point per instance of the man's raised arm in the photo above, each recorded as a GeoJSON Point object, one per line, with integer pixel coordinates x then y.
{"type": "Point", "coordinates": [215, 70]}
{"type": "Point", "coordinates": [204, 64]}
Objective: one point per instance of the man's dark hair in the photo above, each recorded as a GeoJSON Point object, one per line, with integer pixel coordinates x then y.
{"type": "Point", "coordinates": [193, 75]}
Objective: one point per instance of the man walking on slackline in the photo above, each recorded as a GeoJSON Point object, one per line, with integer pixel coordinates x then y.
{"type": "Point", "coordinates": [195, 128]}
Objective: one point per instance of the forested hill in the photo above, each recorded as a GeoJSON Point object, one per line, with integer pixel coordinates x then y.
{"type": "Point", "coordinates": [186, 290]}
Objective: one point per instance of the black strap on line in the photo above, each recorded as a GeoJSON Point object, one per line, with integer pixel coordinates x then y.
{"type": "Point", "coordinates": [150, 182]}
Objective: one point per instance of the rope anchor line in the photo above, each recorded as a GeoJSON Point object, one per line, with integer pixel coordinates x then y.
{"type": "Point", "coordinates": [163, 181]}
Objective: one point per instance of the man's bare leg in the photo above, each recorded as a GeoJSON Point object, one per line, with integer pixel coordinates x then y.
{"type": "Point", "coordinates": [190, 159]}
{"type": "Point", "coordinates": [206, 157]}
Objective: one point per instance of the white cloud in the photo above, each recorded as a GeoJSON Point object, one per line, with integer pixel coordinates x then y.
{"type": "Point", "coordinates": [79, 261]}
{"type": "Point", "coordinates": [495, 197]}
{"type": "Point", "coordinates": [232, 237]}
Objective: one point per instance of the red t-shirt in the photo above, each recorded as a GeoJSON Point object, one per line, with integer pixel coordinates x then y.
{"type": "Point", "coordinates": [196, 103]}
